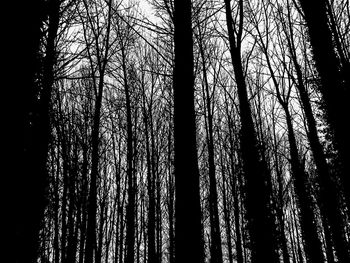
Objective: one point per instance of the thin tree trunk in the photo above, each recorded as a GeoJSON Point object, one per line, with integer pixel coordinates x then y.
{"type": "Point", "coordinates": [233, 181]}
{"type": "Point", "coordinates": [90, 248]}
{"type": "Point", "coordinates": [83, 201]}
{"type": "Point", "coordinates": [328, 242]}
{"type": "Point", "coordinates": [227, 220]}
{"type": "Point", "coordinates": [215, 249]}
{"type": "Point", "coordinates": [130, 208]}
{"type": "Point", "coordinates": [119, 212]}
{"type": "Point", "coordinates": [56, 220]}
{"type": "Point", "coordinates": [171, 200]}
{"type": "Point", "coordinates": [91, 245]}
{"type": "Point", "coordinates": [159, 220]}
{"type": "Point", "coordinates": [151, 195]}
{"type": "Point", "coordinates": [280, 206]}
{"type": "Point", "coordinates": [72, 230]}
{"type": "Point", "coordinates": [226, 211]}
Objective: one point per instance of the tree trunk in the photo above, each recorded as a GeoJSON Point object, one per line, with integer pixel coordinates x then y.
{"type": "Point", "coordinates": [280, 199]}
{"type": "Point", "coordinates": [328, 196]}
{"type": "Point", "coordinates": [215, 249]}
{"type": "Point", "coordinates": [102, 55]}
{"type": "Point", "coordinates": [329, 199]}
{"type": "Point", "coordinates": [227, 220]}
{"type": "Point", "coordinates": [312, 243]}
{"type": "Point", "coordinates": [188, 243]}
{"type": "Point", "coordinates": [151, 257]}
{"type": "Point", "coordinates": [171, 200]}
{"type": "Point", "coordinates": [90, 248]}
{"type": "Point", "coordinates": [130, 208]}
{"type": "Point", "coordinates": [234, 180]}
{"type": "Point", "coordinates": [159, 221]}
{"type": "Point", "coordinates": [260, 225]}
{"type": "Point", "coordinates": [83, 201]}
{"type": "Point", "coordinates": [334, 87]}
{"type": "Point", "coordinates": [328, 242]}
{"type": "Point", "coordinates": [36, 123]}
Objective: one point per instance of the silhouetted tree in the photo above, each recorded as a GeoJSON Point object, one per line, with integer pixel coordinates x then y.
{"type": "Point", "coordinates": [187, 204]}
{"type": "Point", "coordinates": [334, 80]}
{"type": "Point", "coordinates": [100, 49]}
{"type": "Point", "coordinates": [215, 250]}
{"type": "Point", "coordinates": [39, 78]}
{"type": "Point", "coordinates": [329, 198]}
{"type": "Point", "coordinates": [259, 216]}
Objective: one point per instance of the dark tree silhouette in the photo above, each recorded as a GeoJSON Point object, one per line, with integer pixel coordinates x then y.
{"type": "Point", "coordinates": [36, 127]}
{"type": "Point", "coordinates": [187, 204]}
{"type": "Point", "coordinates": [102, 51]}
{"type": "Point", "coordinates": [312, 243]}
{"type": "Point", "coordinates": [260, 222]}
{"type": "Point", "coordinates": [215, 250]}
{"type": "Point", "coordinates": [335, 83]}
{"type": "Point", "coordinates": [329, 198]}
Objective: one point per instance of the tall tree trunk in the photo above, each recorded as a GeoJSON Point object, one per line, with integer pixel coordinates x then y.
{"type": "Point", "coordinates": [328, 242]}
{"type": "Point", "coordinates": [117, 201]}
{"type": "Point", "coordinates": [90, 248]}
{"type": "Point", "coordinates": [72, 213]}
{"type": "Point", "coordinates": [33, 179]}
{"type": "Point", "coordinates": [101, 227]}
{"type": "Point", "coordinates": [188, 245]}
{"type": "Point", "coordinates": [234, 181]}
{"type": "Point", "coordinates": [335, 87]}
{"type": "Point", "coordinates": [295, 232]}
{"type": "Point", "coordinates": [102, 55]}
{"type": "Point", "coordinates": [328, 196]}
{"type": "Point", "coordinates": [215, 249]}
{"type": "Point", "coordinates": [280, 216]}
{"type": "Point", "coordinates": [151, 257]}
{"type": "Point", "coordinates": [171, 199]}
{"type": "Point", "coordinates": [130, 208]}
{"type": "Point", "coordinates": [63, 137]}
{"type": "Point", "coordinates": [312, 243]}
{"type": "Point", "coordinates": [226, 209]}
{"type": "Point", "coordinates": [260, 224]}
{"type": "Point", "coordinates": [83, 201]}
{"type": "Point", "coordinates": [159, 221]}
{"type": "Point", "coordinates": [226, 212]}
{"type": "Point", "coordinates": [279, 210]}
{"type": "Point", "coordinates": [292, 244]}
{"type": "Point", "coordinates": [329, 201]}
{"type": "Point", "coordinates": [56, 217]}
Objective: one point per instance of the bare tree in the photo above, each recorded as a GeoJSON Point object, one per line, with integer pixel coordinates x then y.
{"type": "Point", "coordinates": [187, 206]}
{"type": "Point", "coordinates": [334, 79]}
{"type": "Point", "coordinates": [261, 224]}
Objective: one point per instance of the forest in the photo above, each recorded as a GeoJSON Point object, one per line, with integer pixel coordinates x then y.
{"type": "Point", "coordinates": [175, 131]}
